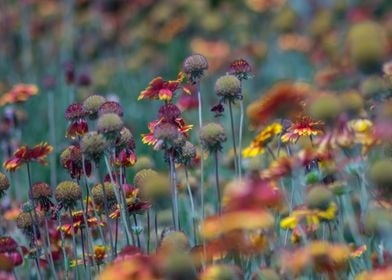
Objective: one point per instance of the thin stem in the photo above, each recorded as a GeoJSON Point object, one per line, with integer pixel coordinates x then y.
{"type": "Point", "coordinates": [233, 138]}
{"type": "Point", "coordinates": [156, 227]}
{"type": "Point", "coordinates": [116, 237]}
{"type": "Point", "coordinates": [47, 238]}
{"type": "Point", "coordinates": [118, 198]}
{"type": "Point", "coordinates": [174, 192]}
{"type": "Point", "coordinates": [218, 190]}
{"type": "Point", "coordinates": [240, 139]}
{"type": "Point", "coordinates": [105, 202]}
{"type": "Point", "coordinates": [65, 256]}
{"type": "Point", "coordinates": [201, 155]}
{"type": "Point", "coordinates": [52, 137]}
{"type": "Point", "coordinates": [74, 242]}
{"type": "Point", "coordinates": [148, 231]}
{"type": "Point", "coordinates": [83, 252]}
{"type": "Point", "coordinates": [137, 233]}
{"type": "Point", "coordinates": [193, 214]}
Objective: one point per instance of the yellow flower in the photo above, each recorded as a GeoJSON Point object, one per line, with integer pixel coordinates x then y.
{"type": "Point", "coordinates": [257, 146]}
{"type": "Point", "coordinates": [312, 216]}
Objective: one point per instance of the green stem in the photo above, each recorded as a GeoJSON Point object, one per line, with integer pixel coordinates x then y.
{"type": "Point", "coordinates": [218, 190]}
{"type": "Point", "coordinates": [174, 192]}
{"type": "Point", "coordinates": [193, 214]}
{"type": "Point", "coordinates": [233, 138]}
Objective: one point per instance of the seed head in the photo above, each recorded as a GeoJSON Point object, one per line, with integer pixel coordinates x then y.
{"type": "Point", "coordinates": [68, 193]}
{"type": "Point", "coordinates": [110, 107]}
{"type": "Point", "coordinates": [93, 145]}
{"type": "Point", "coordinates": [41, 190]}
{"type": "Point", "coordinates": [228, 87]}
{"type": "Point", "coordinates": [166, 132]}
{"type": "Point", "coordinates": [4, 183]}
{"type": "Point", "coordinates": [99, 196]}
{"type": "Point", "coordinates": [92, 104]}
{"type": "Point", "coordinates": [109, 123]}
{"type": "Point", "coordinates": [212, 136]}
{"type": "Point", "coordinates": [142, 176]}
{"type": "Point", "coordinates": [126, 139]}
{"type": "Point", "coordinates": [194, 66]}
{"type": "Point", "coordinates": [188, 152]}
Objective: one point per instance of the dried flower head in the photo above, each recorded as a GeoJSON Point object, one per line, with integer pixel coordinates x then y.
{"type": "Point", "coordinates": [4, 183]}
{"type": "Point", "coordinates": [240, 68]}
{"type": "Point", "coordinates": [188, 153]}
{"type": "Point", "coordinates": [212, 136]}
{"type": "Point", "coordinates": [110, 125]}
{"type": "Point", "coordinates": [228, 87]}
{"type": "Point", "coordinates": [194, 67]}
{"type": "Point", "coordinates": [110, 107]}
{"type": "Point", "coordinates": [166, 132]}
{"type": "Point", "coordinates": [25, 222]}
{"type": "Point", "coordinates": [92, 104]}
{"type": "Point", "coordinates": [42, 193]}
{"type": "Point", "coordinates": [93, 145]}
{"type": "Point", "coordinates": [126, 139]}
{"type": "Point", "coordinates": [99, 197]}
{"type": "Point", "coordinates": [68, 193]}
{"type": "Point", "coordinates": [142, 176]}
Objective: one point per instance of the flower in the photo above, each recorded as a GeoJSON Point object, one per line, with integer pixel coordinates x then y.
{"type": "Point", "coordinates": [228, 87]}
{"type": "Point", "coordinates": [42, 192]}
{"type": "Point", "coordinates": [71, 159]}
{"type": "Point", "coordinates": [18, 93]}
{"type": "Point", "coordinates": [75, 113]}
{"type": "Point", "coordinates": [110, 125]}
{"type": "Point", "coordinates": [92, 104]}
{"type": "Point", "coordinates": [283, 100]}
{"type": "Point", "coordinates": [214, 226]}
{"type": "Point", "coordinates": [78, 221]}
{"type": "Point", "coordinates": [257, 146]}
{"type": "Point", "coordinates": [194, 67]}
{"type": "Point", "coordinates": [240, 68]}
{"type": "Point", "coordinates": [4, 184]}
{"type": "Point", "coordinates": [134, 204]}
{"type": "Point", "coordinates": [93, 145]}
{"type": "Point", "coordinates": [100, 197]}
{"type": "Point", "coordinates": [161, 89]}
{"type": "Point", "coordinates": [221, 272]}
{"type": "Point", "coordinates": [312, 217]}
{"type": "Point", "coordinates": [9, 248]}
{"type": "Point", "coordinates": [24, 155]}
{"type": "Point", "coordinates": [303, 126]}
{"type": "Point", "coordinates": [68, 193]}
{"type": "Point", "coordinates": [110, 107]}
{"type": "Point", "coordinates": [212, 135]}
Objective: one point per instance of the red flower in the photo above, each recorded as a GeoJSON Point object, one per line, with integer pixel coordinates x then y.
{"type": "Point", "coordinates": [303, 126]}
{"type": "Point", "coordinates": [9, 249]}
{"type": "Point", "coordinates": [75, 113]}
{"type": "Point", "coordinates": [71, 159]}
{"type": "Point", "coordinates": [126, 158]}
{"type": "Point", "coordinates": [240, 68]}
{"type": "Point", "coordinates": [25, 154]}
{"type": "Point", "coordinates": [19, 93]}
{"type": "Point", "coordinates": [161, 89]}
{"type": "Point", "coordinates": [79, 222]}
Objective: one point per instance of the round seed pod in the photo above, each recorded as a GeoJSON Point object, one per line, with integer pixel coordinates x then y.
{"type": "Point", "coordinates": [109, 123]}
{"type": "Point", "coordinates": [99, 197]}
{"type": "Point", "coordinates": [110, 107]}
{"type": "Point", "coordinates": [68, 193]}
{"type": "Point", "coordinates": [24, 222]}
{"type": "Point", "coordinates": [143, 162]}
{"type": "Point", "coordinates": [228, 87]}
{"type": "Point", "coordinates": [212, 136]}
{"type": "Point", "coordinates": [141, 177]}
{"type": "Point", "coordinates": [41, 190]}
{"type": "Point", "coordinates": [4, 183]}
{"type": "Point", "coordinates": [194, 67]}
{"type": "Point", "coordinates": [319, 198]}
{"type": "Point", "coordinates": [92, 104]}
{"type": "Point", "coordinates": [93, 145]}
{"type": "Point", "coordinates": [380, 174]}
{"type": "Point", "coordinates": [166, 132]}
{"type": "Point", "coordinates": [174, 241]}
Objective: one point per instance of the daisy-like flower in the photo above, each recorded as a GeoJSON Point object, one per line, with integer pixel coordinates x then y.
{"type": "Point", "coordinates": [25, 154]}
{"type": "Point", "coordinates": [18, 93]}
{"type": "Point", "coordinates": [79, 222]}
{"type": "Point", "coordinates": [168, 114]}
{"type": "Point", "coordinates": [76, 114]}
{"type": "Point", "coordinates": [304, 126]}
{"type": "Point", "coordinates": [161, 89]}
{"type": "Point", "coordinates": [240, 68]}
{"type": "Point", "coordinates": [282, 101]}
{"type": "Point", "coordinates": [313, 217]}
{"type": "Point", "coordinates": [9, 248]}
{"type": "Point", "coordinates": [258, 145]}
{"type": "Point", "coordinates": [134, 204]}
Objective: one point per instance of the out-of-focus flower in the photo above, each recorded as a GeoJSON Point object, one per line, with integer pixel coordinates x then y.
{"type": "Point", "coordinates": [240, 68]}
{"type": "Point", "coordinates": [78, 221]}
{"type": "Point", "coordinates": [110, 125]}
{"type": "Point", "coordinates": [19, 93]}
{"type": "Point", "coordinates": [283, 100]}
{"type": "Point", "coordinates": [134, 205]}
{"type": "Point", "coordinates": [71, 159]}
{"type": "Point", "coordinates": [387, 70]}
{"type": "Point", "coordinates": [303, 126]}
{"type": "Point", "coordinates": [214, 226]}
{"type": "Point", "coordinates": [294, 42]}
{"type": "Point", "coordinates": [258, 145]}
{"type": "Point", "coordinates": [278, 168]}
{"type": "Point", "coordinates": [110, 107]}
{"type": "Point", "coordinates": [321, 256]}
{"type": "Point", "coordinates": [161, 89]}
{"type": "Point", "coordinates": [76, 114]}
{"type": "Point", "coordinates": [312, 217]}
{"type": "Point", "coordinates": [25, 154]}
{"type": "Point", "coordinates": [222, 271]}
{"type": "Point", "coordinates": [214, 51]}
{"type": "Point", "coordinates": [9, 248]}
{"type": "Point", "coordinates": [212, 135]}
{"type": "Point", "coordinates": [263, 5]}
{"type": "Point", "coordinates": [377, 274]}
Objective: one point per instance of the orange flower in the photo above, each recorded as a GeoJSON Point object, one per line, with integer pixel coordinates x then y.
{"type": "Point", "coordinates": [18, 93]}
{"type": "Point", "coordinates": [245, 219]}
{"type": "Point", "coordinates": [161, 89]}
{"type": "Point", "coordinates": [25, 154]}
{"type": "Point", "coordinates": [79, 222]}
{"type": "Point", "coordinates": [303, 126]}
{"type": "Point", "coordinates": [377, 274]}
{"type": "Point", "coordinates": [281, 101]}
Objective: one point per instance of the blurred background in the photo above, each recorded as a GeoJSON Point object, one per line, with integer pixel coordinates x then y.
{"type": "Point", "coordinates": [74, 48]}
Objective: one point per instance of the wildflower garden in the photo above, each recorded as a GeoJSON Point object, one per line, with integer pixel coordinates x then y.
{"type": "Point", "coordinates": [196, 140]}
